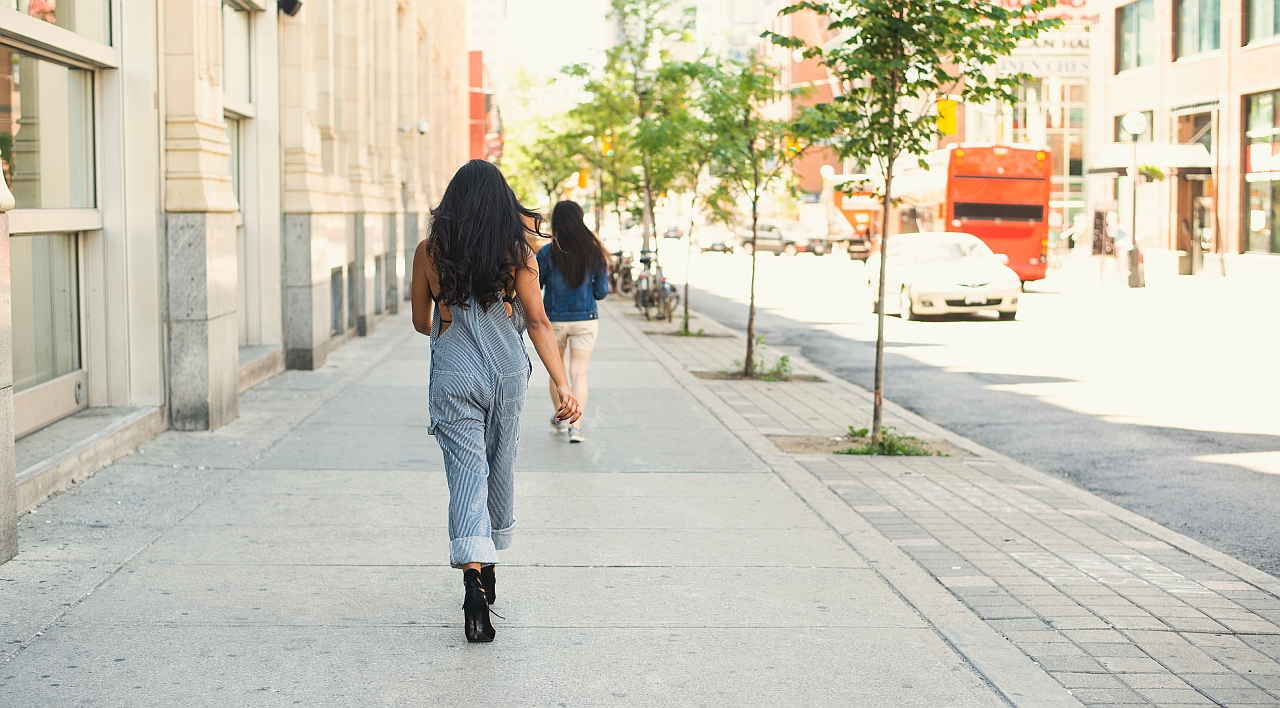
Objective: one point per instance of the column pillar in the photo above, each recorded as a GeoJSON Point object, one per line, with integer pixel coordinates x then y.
{"type": "Point", "coordinates": [8, 469]}
{"type": "Point", "coordinates": [200, 222]}
{"type": "Point", "coordinates": [410, 248]}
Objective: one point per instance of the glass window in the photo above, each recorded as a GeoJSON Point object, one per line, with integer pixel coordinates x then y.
{"type": "Point", "coordinates": [235, 53]}
{"type": "Point", "coordinates": [1262, 173]}
{"type": "Point", "coordinates": [1263, 18]}
{"type": "Point", "coordinates": [1145, 137]}
{"type": "Point", "coordinates": [46, 132]}
{"type": "Point", "coordinates": [46, 308]}
{"type": "Point", "coordinates": [91, 18]}
{"type": "Point", "coordinates": [1197, 26]}
{"type": "Point", "coordinates": [1135, 35]}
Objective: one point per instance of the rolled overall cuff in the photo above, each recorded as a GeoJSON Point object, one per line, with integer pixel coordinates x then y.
{"type": "Point", "coordinates": [502, 537]}
{"type": "Point", "coordinates": [472, 549]}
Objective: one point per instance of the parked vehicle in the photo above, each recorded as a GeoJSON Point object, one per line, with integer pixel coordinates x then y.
{"type": "Point", "coordinates": [941, 273]}
{"type": "Point", "coordinates": [673, 232]}
{"type": "Point", "coordinates": [715, 237]}
{"type": "Point", "coordinates": [783, 236]}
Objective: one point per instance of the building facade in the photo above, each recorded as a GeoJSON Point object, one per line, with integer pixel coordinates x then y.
{"type": "Point", "coordinates": [1203, 71]}
{"type": "Point", "coordinates": [203, 192]}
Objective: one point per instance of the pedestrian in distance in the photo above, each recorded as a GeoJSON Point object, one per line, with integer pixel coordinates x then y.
{"type": "Point", "coordinates": [475, 291]}
{"type": "Point", "coordinates": [573, 271]}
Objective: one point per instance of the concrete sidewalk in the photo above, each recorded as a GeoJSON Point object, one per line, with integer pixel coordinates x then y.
{"type": "Point", "coordinates": [676, 558]}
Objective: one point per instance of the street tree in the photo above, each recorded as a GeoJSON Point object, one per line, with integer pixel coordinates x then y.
{"type": "Point", "coordinates": [894, 61]}
{"type": "Point", "coordinates": [603, 127]}
{"type": "Point", "coordinates": [636, 76]}
{"type": "Point", "coordinates": [752, 152]}
{"type": "Point", "coordinates": [545, 163]}
{"type": "Point", "coordinates": [693, 155]}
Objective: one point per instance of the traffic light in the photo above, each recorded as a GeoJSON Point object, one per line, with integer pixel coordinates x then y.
{"type": "Point", "coordinates": [582, 177]}
{"type": "Point", "coordinates": [947, 116]}
{"type": "Point", "coordinates": [792, 145]}
{"type": "Point", "coordinates": [606, 146]}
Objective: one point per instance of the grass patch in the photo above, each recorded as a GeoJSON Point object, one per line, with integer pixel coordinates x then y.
{"type": "Point", "coordinates": [891, 443]}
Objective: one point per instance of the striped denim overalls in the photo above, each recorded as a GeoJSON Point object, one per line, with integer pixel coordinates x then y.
{"type": "Point", "coordinates": [479, 376]}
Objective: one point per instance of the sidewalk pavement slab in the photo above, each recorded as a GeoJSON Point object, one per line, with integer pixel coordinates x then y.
{"type": "Point", "coordinates": [298, 556]}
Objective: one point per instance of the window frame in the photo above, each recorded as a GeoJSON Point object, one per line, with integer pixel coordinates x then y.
{"type": "Point", "coordinates": [1246, 25]}
{"type": "Point", "coordinates": [1178, 54]}
{"type": "Point", "coordinates": [1245, 99]}
{"type": "Point", "coordinates": [1119, 41]}
{"type": "Point", "coordinates": [45, 403]}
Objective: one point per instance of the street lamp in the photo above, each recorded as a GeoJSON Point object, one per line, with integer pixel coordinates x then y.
{"type": "Point", "coordinates": [1134, 123]}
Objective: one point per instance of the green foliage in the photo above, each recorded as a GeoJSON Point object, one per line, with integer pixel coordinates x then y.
{"type": "Point", "coordinates": [780, 371]}
{"type": "Point", "coordinates": [890, 444]}
{"type": "Point", "coordinates": [1151, 173]}
{"type": "Point", "coordinates": [641, 100]}
{"type": "Point", "coordinates": [751, 150]}
{"type": "Point", "coordinates": [542, 166]}
{"type": "Point", "coordinates": [857, 432]}
{"type": "Point", "coordinates": [896, 58]}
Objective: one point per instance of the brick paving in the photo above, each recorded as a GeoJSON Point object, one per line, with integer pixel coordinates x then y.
{"type": "Point", "coordinates": [1115, 615]}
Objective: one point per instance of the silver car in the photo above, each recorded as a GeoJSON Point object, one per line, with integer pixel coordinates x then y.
{"type": "Point", "coordinates": [943, 273]}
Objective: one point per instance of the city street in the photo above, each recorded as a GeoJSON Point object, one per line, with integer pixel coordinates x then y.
{"type": "Point", "coordinates": [1159, 400]}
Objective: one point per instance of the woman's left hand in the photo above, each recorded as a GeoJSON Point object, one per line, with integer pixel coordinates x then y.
{"type": "Point", "coordinates": [569, 409]}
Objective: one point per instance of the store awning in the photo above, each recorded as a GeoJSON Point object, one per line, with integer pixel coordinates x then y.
{"type": "Point", "coordinates": [1179, 159]}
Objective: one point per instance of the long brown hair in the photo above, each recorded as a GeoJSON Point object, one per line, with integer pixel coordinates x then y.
{"type": "Point", "coordinates": [477, 236]}
{"type": "Point", "coordinates": [574, 249]}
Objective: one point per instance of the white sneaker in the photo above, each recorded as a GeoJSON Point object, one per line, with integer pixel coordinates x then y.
{"type": "Point", "coordinates": [560, 425]}
{"type": "Point", "coordinates": [575, 434]}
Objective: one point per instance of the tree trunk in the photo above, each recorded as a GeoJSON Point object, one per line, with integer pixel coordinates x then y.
{"type": "Point", "coordinates": [688, 256]}
{"type": "Point", "coordinates": [878, 391]}
{"type": "Point", "coordinates": [648, 209]}
{"type": "Point", "coordinates": [748, 366]}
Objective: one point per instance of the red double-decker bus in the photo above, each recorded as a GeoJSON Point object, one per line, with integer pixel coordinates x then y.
{"type": "Point", "coordinates": [999, 193]}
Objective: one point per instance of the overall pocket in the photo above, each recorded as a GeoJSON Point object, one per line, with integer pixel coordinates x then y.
{"type": "Point", "coordinates": [510, 394]}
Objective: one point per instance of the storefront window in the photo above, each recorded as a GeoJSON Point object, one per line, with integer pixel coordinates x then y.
{"type": "Point", "coordinates": [90, 18]}
{"type": "Point", "coordinates": [1263, 17]}
{"type": "Point", "coordinates": [46, 132]}
{"type": "Point", "coordinates": [1262, 173]}
{"type": "Point", "coordinates": [1145, 136]}
{"type": "Point", "coordinates": [1197, 26]}
{"type": "Point", "coordinates": [1136, 35]}
{"type": "Point", "coordinates": [235, 53]}
{"type": "Point", "coordinates": [1051, 113]}
{"type": "Point", "coordinates": [46, 308]}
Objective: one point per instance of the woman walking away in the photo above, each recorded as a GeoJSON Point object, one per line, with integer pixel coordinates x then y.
{"type": "Point", "coordinates": [574, 272]}
{"type": "Point", "coordinates": [475, 290]}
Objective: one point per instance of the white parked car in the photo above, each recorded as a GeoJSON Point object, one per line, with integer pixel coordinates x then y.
{"type": "Point", "coordinates": [943, 273]}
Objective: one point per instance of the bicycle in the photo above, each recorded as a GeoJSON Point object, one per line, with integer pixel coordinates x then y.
{"type": "Point", "coordinates": [620, 279]}
{"type": "Point", "coordinates": [654, 294]}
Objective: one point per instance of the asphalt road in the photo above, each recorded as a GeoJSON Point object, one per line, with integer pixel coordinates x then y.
{"type": "Point", "coordinates": [1123, 393]}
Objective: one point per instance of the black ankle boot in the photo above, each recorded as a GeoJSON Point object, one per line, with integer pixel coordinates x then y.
{"type": "Point", "coordinates": [475, 609]}
{"type": "Point", "coordinates": [490, 583]}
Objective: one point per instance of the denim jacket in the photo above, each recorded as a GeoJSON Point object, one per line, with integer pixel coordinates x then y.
{"type": "Point", "coordinates": [566, 304]}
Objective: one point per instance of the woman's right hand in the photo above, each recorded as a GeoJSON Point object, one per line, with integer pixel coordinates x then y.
{"type": "Point", "coordinates": [569, 409]}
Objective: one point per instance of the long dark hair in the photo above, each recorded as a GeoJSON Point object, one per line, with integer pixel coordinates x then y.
{"type": "Point", "coordinates": [574, 249]}
{"type": "Point", "coordinates": [477, 236]}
